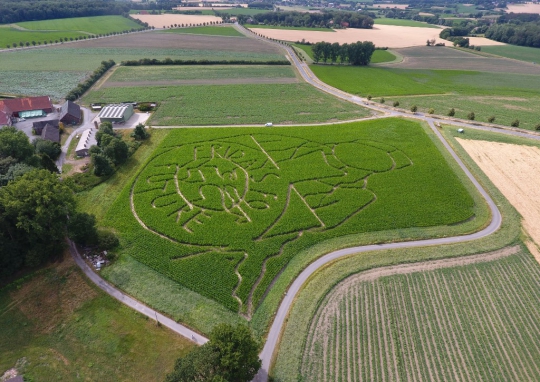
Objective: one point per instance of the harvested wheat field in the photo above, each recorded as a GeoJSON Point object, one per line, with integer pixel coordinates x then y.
{"type": "Point", "coordinates": [515, 170]}
{"type": "Point", "coordinates": [159, 21]}
{"type": "Point", "coordinates": [391, 36]}
{"type": "Point", "coordinates": [482, 41]}
{"type": "Point", "coordinates": [523, 8]}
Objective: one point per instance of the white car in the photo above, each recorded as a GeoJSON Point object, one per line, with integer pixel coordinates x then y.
{"type": "Point", "coordinates": [268, 124]}
{"type": "Point", "coordinates": [22, 119]}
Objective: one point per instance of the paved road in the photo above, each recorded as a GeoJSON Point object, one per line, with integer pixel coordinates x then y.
{"type": "Point", "coordinates": [132, 303]}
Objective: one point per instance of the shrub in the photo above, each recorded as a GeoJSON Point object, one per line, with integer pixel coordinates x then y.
{"type": "Point", "coordinates": [382, 100]}
{"type": "Point", "coordinates": [369, 97]}
{"type": "Point", "coordinates": [396, 103]}
{"type": "Point", "coordinates": [515, 123]}
{"type": "Point", "coordinates": [471, 116]}
{"type": "Point", "coordinates": [537, 127]}
{"type": "Point", "coordinates": [414, 108]}
{"type": "Point", "coordinates": [431, 110]}
{"type": "Point", "coordinates": [491, 119]}
{"type": "Point", "coordinates": [106, 240]}
{"type": "Point", "coordinates": [451, 112]}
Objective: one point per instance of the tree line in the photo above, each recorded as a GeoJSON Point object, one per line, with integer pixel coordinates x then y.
{"type": "Point", "coordinates": [13, 11]}
{"type": "Point", "coordinates": [358, 53]}
{"type": "Point", "coordinates": [326, 19]}
{"type": "Point", "coordinates": [517, 33]}
{"type": "Point", "coordinates": [86, 84]}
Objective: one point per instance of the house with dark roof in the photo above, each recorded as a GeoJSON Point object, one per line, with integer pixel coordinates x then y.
{"type": "Point", "coordinates": [28, 107]}
{"type": "Point", "coordinates": [51, 133]}
{"type": "Point", "coordinates": [70, 113]}
{"type": "Point", "coordinates": [37, 127]}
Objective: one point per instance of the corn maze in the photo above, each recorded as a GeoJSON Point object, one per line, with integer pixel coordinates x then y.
{"type": "Point", "coordinates": [475, 322]}
{"type": "Point", "coordinates": [225, 212]}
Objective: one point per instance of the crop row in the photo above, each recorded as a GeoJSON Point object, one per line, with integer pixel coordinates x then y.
{"type": "Point", "coordinates": [477, 322]}
{"type": "Point", "coordinates": [216, 194]}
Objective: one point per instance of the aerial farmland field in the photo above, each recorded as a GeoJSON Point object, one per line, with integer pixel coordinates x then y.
{"type": "Point", "coordinates": [417, 323]}
{"type": "Point", "coordinates": [226, 30]}
{"type": "Point", "coordinates": [218, 210]}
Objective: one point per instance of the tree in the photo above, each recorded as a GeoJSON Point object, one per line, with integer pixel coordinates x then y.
{"type": "Point", "coordinates": [471, 116]}
{"type": "Point", "coordinates": [102, 165]}
{"type": "Point", "coordinates": [515, 123]}
{"type": "Point", "coordinates": [140, 132]}
{"type": "Point", "coordinates": [537, 127]}
{"type": "Point", "coordinates": [396, 103]}
{"type": "Point", "coordinates": [116, 150]}
{"type": "Point", "coordinates": [33, 211]}
{"type": "Point", "coordinates": [105, 128]}
{"type": "Point", "coordinates": [317, 52]}
{"type": "Point", "coordinates": [49, 148]}
{"type": "Point", "coordinates": [431, 110]}
{"type": "Point", "coordinates": [230, 355]}
{"type": "Point", "coordinates": [414, 108]}
{"type": "Point", "coordinates": [451, 112]}
{"type": "Point", "coordinates": [82, 228]}
{"type": "Point", "coordinates": [14, 143]}
{"type": "Point", "coordinates": [382, 100]}
{"type": "Point", "coordinates": [491, 119]}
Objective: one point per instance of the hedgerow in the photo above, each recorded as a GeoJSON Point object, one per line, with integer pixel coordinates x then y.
{"type": "Point", "coordinates": [214, 201]}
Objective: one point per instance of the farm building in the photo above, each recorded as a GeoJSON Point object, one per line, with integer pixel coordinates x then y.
{"type": "Point", "coordinates": [37, 127]}
{"type": "Point", "coordinates": [51, 133]}
{"type": "Point", "coordinates": [70, 113]}
{"type": "Point", "coordinates": [5, 119]}
{"type": "Point", "coordinates": [88, 139]}
{"type": "Point", "coordinates": [29, 107]}
{"type": "Point", "coordinates": [116, 113]}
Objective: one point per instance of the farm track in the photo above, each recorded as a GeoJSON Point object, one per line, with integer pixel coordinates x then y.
{"type": "Point", "coordinates": [282, 312]}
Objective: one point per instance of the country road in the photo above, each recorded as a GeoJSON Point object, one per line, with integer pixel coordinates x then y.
{"type": "Point", "coordinates": [276, 328]}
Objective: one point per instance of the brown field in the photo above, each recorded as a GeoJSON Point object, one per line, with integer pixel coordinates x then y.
{"type": "Point", "coordinates": [453, 59]}
{"type": "Point", "coordinates": [158, 21]}
{"type": "Point", "coordinates": [523, 8]}
{"type": "Point", "coordinates": [515, 170]}
{"type": "Point", "coordinates": [391, 36]}
{"type": "Point", "coordinates": [157, 40]}
{"type": "Point", "coordinates": [482, 41]}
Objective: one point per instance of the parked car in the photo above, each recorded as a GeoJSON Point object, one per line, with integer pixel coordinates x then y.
{"type": "Point", "coordinates": [268, 124]}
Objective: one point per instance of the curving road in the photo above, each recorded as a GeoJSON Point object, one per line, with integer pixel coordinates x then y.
{"type": "Point", "coordinates": [278, 323]}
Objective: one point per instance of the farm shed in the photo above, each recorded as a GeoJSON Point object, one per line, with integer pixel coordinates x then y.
{"type": "Point", "coordinates": [116, 113]}
{"type": "Point", "coordinates": [28, 107]}
{"type": "Point", "coordinates": [37, 127]}
{"type": "Point", "coordinates": [5, 119]}
{"type": "Point", "coordinates": [70, 113]}
{"type": "Point", "coordinates": [88, 139]}
{"type": "Point", "coordinates": [51, 133]}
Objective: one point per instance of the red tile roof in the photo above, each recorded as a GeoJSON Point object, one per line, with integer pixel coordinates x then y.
{"type": "Point", "coordinates": [26, 104]}
{"type": "Point", "coordinates": [4, 118]}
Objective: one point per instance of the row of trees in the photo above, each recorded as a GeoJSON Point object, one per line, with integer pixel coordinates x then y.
{"type": "Point", "coordinates": [358, 53]}
{"type": "Point", "coordinates": [94, 77]}
{"type": "Point", "coordinates": [327, 19]}
{"type": "Point", "coordinates": [27, 10]}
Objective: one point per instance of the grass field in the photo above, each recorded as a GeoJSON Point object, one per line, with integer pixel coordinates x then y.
{"type": "Point", "coordinates": [503, 95]}
{"type": "Point", "coordinates": [288, 28]}
{"type": "Point", "coordinates": [188, 72]}
{"type": "Point", "coordinates": [59, 326]}
{"type": "Point", "coordinates": [188, 105]}
{"type": "Point", "coordinates": [522, 53]}
{"type": "Point", "coordinates": [210, 240]}
{"type": "Point", "coordinates": [209, 30]}
{"type": "Point", "coordinates": [428, 325]}
{"type": "Point", "coordinates": [12, 35]}
{"type": "Point", "coordinates": [88, 25]}
{"type": "Point", "coordinates": [36, 83]}
{"type": "Point", "coordinates": [403, 23]}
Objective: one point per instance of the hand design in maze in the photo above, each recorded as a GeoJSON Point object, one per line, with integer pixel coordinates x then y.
{"type": "Point", "coordinates": [255, 187]}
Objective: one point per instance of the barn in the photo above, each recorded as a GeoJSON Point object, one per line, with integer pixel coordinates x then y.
{"type": "Point", "coordinates": [51, 133]}
{"type": "Point", "coordinates": [37, 127]}
{"type": "Point", "coordinates": [70, 113]}
{"type": "Point", "coordinates": [87, 140]}
{"type": "Point", "coordinates": [116, 113]}
{"type": "Point", "coordinates": [28, 107]}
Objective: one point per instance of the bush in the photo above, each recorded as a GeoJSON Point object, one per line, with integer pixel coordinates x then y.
{"type": "Point", "coordinates": [515, 123]}
{"type": "Point", "coordinates": [537, 127]}
{"type": "Point", "coordinates": [140, 132]}
{"type": "Point", "coordinates": [396, 103]}
{"type": "Point", "coordinates": [102, 165]}
{"type": "Point", "coordinates": [451, 112]}
{"type": "Point", "coordinates": [369, 97]}
{"type": "Point", "coordinates": [491, 119]}
{"type": "Point", "coordinates": [431, 110]}
{"type": "Point", "coordinates": [106, 240]}
{"type": "Point", "coordinates": [382, 100]}
{"type": "Point", "coordinates": [414, 108]}
{"type": "Point", "coordinates": [471, 116]}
